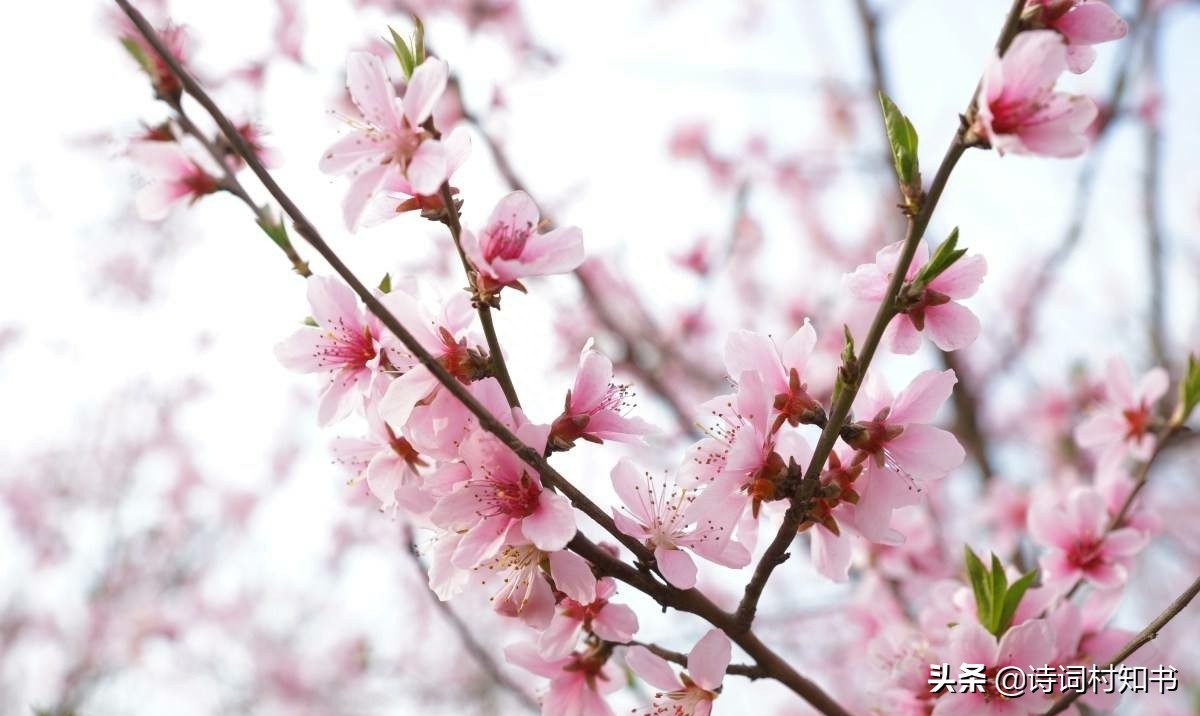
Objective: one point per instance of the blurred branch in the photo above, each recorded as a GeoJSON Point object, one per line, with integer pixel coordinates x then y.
{"type": "Point", "coordinates": [638, 352]}
{"type": "Point", "coordinates": [481, 656]}
{"type": "Point", "coordinates": [1147, 635]}
{"type": "Point", "coordinates": [1151, 185]}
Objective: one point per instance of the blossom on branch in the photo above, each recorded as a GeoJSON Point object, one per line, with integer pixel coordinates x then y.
{"type": "Point", "coordinates": [1019, 111]}
{"type": "Point", "coordinates": [511, 247]}
{"type": "Point", "coordinates": [391, 140]}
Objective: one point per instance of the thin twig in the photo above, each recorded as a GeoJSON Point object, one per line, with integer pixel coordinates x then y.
{"type": "Point", "coordinates": [776, 551]}
{"type": "Point", "coordinates": [750, 671]}
{"type": "Point", "coordinates": [1147, 635]}
{"type": "Point", "coordinates": [1151, 209]}
{"type": "Point", "coordinates": [477, 651]}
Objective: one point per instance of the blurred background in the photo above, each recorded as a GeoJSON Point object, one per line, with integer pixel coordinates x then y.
{"type": "Point", "coordinates": [174, 535]}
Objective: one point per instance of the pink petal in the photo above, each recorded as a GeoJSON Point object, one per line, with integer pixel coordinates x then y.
{"type": "Point", "coordinates": [425, 88]}
{"type": "Point", "coordinates": [552, 524]}
{"type": "Point", "coordinates": [573, 576]}
{"type": "Point", "coordinates": [1089, 23]}
{"type": "Point", "coordinates": [1030, 643]}
{"type": "Point", "coordinates": [362, 190]}
{"type": "Point", "coordinates": [926, 452]}
{"type": "Point", "coordinates": [951, 326]}
{"type": "Point", "coordinates": [920, 401]}
{"type": "Point", "coordinates": [652, 669]}
{"type": "Point", "coordinates": [630, 485]}
{"type": "Point", "coordinates": [351, 151]}
{"type": "Point", "coordinates": [831, 553]}
{"type": "Point", "coordinates": [902, 336]}
{"type": "Point", "coordinates": [708, 659]}
{"type": "Point", "coordinates": [371, 89]}
{"type": "Point", "coordinates": [750, 351]}
{"type": "Point", "coordinates": [677, 566]}
{"type": "Point", "coordinates": [427, 170]}
{"type": "Point", "coordinates": [615, 622]}
{"type": "Point", "coordinates": [963, 278]}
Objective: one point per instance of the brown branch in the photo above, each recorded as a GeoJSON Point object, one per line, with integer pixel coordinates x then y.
{"type": "Point", "coordinates": [1151, 209]}
{"type": "Point", "coordinates": [476, 650]}
{"type": "Point", "coordinates": [750, 671]}
{"type": "Point", "coordinates": [1147, 635]}
{"type": "Point", "coordinates": [965, 398]}
{"type": "Point", "coordinates": [690, 600]}
{"type": "Point", "coordinates": [776, 551]}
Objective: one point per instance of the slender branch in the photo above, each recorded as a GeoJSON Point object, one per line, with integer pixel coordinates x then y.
{"type": "Point", "coordinates": [965, 397]}
{"type": "Point", "coordinates": [690, 600]}
{"type": "Point", "coordinates": [1140, 479]}
{"type": "Point", "coordinates": [481, 656]}
{"type": "Point", "coordinates": [1147, 635]}
{"type": "Point", "coordinates": [750, 671]}
{"type": "Point", "coordinates": [776, 551]}
{"type": "Point", "coordinates": [1151, 210]}
{"type": "Point", "coordinates": [495, 355]}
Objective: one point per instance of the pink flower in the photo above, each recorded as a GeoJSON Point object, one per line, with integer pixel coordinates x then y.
{"type": "Point", "coordinates": [510, 247]}
{"type": "Point", "coordinates": [743, 455]}
{"type": "Point", "coordinates": [174, 176]}
{"type": "Point", "coordinates": [343, 344]}
{"type": "Point", "coordinates": [1020, 112]}
{"type": "Point", "coordinates": [1030, 644]}
{"type": "Point", "coordinates": [577, 682]}
{"type": "Point", "coordinates": [781, 369]}
{"type": "Point", "coordinates": [936, 311]}
{"type": "Point", "coordinates": [692, 693]}
{"type": "Point", "coordinates": [596, 406]}
{"type": "Point", "coordinates": [503, 491]}
{"type": "Point", "coordinates": [1080, 547]}
{"type": "Point", "coordinates": [1124, 424]}
{"type": "Point", "coordinates": [669, 518]}
{"type": "Point", "coordinates": [1082, 23]}
{"type": "Point", "coordinates": [899, 447]}
{"type": "Point", "coordinates": [524, 592]}
{"type": "Point", "coordinates": [439, 333]}
{"type": "Point", "coordinates": [388, 462]}
{"type": "Point", "coordinates": [611, 622]}
{"type": "Point", "coordinates": [177, 42]}
{"type": "Point", "coordinates": [391, 141]}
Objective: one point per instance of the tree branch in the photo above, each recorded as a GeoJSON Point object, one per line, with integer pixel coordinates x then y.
{"type": "Point", "coordinates": [690, 600]}
{"type": "Point", "coordinates": [1147, 635]}
{"type": "Point", "coordinates": [776, 551]}
{"type": "Point", "coordinates": [481, 656]}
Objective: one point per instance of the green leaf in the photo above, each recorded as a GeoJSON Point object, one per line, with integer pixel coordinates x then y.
{"type": "Point", "coordinates": [1012, 599]}
{"type": "Point", "coordinates": [999, 582]}
{"type": "Point", "coordinates": [310, 321]}
{"type": "Point", "coordinates": [943, 258]}
{"type": "Point", "coordinates": [848, 371]}
{"type": "Point", "coordinates": [1189, 392]}
{"type": "Point", "coordinates": [403, 54]}
{"type": "Point", "coordinates": [386, 284]}
{"type": "Point", "coordinates": [135, 50]}
{"type": "Point", "coordinates": [903, 140]}
{"type": "Point", "coordinates": [981, 584]}
{"type": "Point", "coordinates": [418, 41]}
{"type": "Point", "coordinates": [277, 231]}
